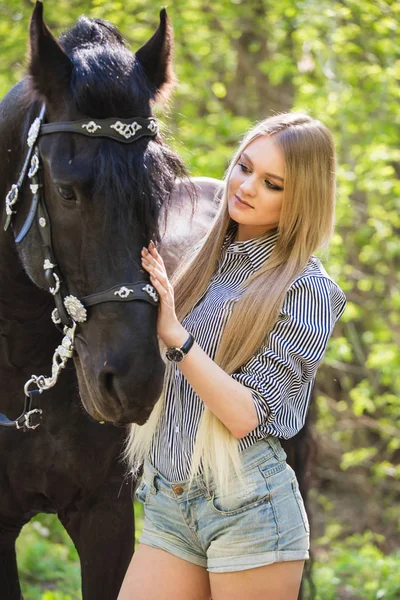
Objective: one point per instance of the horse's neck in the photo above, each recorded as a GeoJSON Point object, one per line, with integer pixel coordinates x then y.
{"type": "Point", "coordinates": [184, 229]}
{"type": "Point", "coordinates": [13, 114]}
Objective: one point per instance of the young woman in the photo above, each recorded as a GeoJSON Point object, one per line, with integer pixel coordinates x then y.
{"type": "Point", "coordinates": [246, 321]}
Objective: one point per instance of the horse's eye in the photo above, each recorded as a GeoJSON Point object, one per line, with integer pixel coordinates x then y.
{"type": "Point", "coordinates": [67, 193]}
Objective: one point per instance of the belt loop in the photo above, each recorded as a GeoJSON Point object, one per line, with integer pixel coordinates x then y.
{"type": "Point", "coordinates": [207, 489]}
{"type": "Point", "coordinates": [276, 447]}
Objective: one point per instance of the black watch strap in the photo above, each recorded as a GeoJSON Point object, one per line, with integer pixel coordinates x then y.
{"type": "Point", "coordinates": [176, 354]}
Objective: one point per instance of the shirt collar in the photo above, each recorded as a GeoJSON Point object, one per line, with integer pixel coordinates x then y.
{"type": "Point", "coordinates": [258, 249]}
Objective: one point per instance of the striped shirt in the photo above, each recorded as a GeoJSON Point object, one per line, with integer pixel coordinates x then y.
{"type": "Point", "coordinates": [280, 375]}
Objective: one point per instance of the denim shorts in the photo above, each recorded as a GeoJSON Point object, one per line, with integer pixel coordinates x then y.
{"type": "Point", "coordinates": [263, 524]}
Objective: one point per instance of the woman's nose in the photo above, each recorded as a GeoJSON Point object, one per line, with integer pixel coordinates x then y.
{"type": "Point", "coordinates": [248, 186]}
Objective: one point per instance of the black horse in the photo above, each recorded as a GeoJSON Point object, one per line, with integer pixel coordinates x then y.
{"type": "Point", "coordinates": [104, 199]}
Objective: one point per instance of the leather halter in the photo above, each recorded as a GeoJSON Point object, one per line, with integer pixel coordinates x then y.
{"type": "Point", "coordinates": [69, 309]}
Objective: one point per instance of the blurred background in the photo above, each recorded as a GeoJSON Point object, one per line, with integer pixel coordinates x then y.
{"type": "Point", "coordinates": [238, 61]}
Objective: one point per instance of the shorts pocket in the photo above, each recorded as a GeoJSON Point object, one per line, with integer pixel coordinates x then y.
{"type": "Point", "coordinates": [239, 499]}
{"type": "Point", "coordinates": [300, 504]}
{"type": "Point", "coordinates": [272, 467]}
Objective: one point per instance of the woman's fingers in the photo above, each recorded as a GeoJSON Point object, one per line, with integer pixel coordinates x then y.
{"type": "Point", "coordinates": [156, 255]}
{"type": "Point", "coordinates": [154, 260]}
{"type": "Point", "coordinates": [161, 276]}
{"type": "Point", "coordinates": [154, 269]}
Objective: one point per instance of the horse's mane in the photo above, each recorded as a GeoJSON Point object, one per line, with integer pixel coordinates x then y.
{"type": "Point", "coordinates": [108, 81]}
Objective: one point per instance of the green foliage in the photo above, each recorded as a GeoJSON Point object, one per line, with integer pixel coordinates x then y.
{"type": "Point", "coordinates": [47, 561]}
{"type": "Point", "coordinates": [356, 568]}
{"type": "Point", "coordinates": [238, 61]}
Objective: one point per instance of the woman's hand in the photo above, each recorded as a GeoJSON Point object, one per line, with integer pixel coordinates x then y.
{"type": "Point", "coordinates": [169, 329]}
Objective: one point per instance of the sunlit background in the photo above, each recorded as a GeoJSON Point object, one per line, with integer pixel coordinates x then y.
{"type": "Point", "coordinates": [238, 61]}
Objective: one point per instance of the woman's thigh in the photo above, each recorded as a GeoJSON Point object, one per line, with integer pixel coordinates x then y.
{"type": "Point", "coordinates": [155, 574]}
{"type": "Point", "coordinates": [279, 581]}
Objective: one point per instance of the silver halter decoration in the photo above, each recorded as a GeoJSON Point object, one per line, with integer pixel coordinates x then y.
{"type": "Point", "coordinates": [70, 310]}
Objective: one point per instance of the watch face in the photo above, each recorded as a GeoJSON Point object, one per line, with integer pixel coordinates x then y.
{"type": "Point", "coordinates": [174, 354]}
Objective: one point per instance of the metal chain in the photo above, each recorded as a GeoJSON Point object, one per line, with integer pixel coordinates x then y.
{"type": "Point", "coordinates": [60, 358]}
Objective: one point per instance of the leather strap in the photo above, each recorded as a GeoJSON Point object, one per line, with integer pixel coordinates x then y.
{"type": "Point", "coordinates": [125, 293]}
{"type": "Point", "coordinates": [24, 170]}
{"type": "Point", "coordinates": [29, 219]}
{"type": "Point", "coordinates": [52, 275]}
{"type": "Point", "coordinates": [188, 344]}
{"type": "Point", "coordinates": [29, 418]}
{"type": "Point", "coordinates": [122, 130]}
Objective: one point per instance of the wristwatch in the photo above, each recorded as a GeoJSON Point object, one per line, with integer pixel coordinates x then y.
{"type": "Point", "coordinates": [175, 354]}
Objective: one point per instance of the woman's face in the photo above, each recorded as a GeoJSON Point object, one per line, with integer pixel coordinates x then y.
{"type": "Point", "coordinates": [257, 180]}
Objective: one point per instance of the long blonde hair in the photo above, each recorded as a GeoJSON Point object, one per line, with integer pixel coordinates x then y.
{"type": "Point", "coordinates": [306, 223]}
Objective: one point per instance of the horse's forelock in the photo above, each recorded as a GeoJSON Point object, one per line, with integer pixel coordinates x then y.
{"type": "Point", "coordinates": [134, 187]}
{"type": "Point", "coordinates": [108, 82]}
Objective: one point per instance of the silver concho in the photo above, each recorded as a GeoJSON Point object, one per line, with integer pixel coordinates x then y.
{"type": "Point", "coordinates": [34, 188]}
{"type": "Point", "coordinates": [91, 127]}
{"type": "Point", "coordinates": [123, 292]}
{"type": "Point", "coordinates": [11, 199]}
{"type": "Point", "coordinates": [48, 264]}
{"type": "Point", "coordinates": [75, 309]}
{"type": "Point", "coordinates": [42, 222]}
{"type": "Point", "coordinates": [128, 130]}
{"type": "Point", "coordinates": [34, 166]}
{"type": "Point", "coordinates": [55, 290]}
{"type": "Point", "coordinates": [151, 292]}
{"type": "Point", "coordinates": [55, 317]}
{"type": "Point", "coordinates": [33, 132]}
{"type": "Point", "coordinates": [152, 126]}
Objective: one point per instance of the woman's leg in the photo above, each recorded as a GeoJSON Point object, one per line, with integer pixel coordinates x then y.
{"type": "Point", "coordinates": [279, 581]}
{"type": "Point", "coordinates": [155, 574]}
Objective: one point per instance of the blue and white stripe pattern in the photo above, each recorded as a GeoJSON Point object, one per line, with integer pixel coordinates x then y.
{"type": "Point", "coordinates": [281, 374]}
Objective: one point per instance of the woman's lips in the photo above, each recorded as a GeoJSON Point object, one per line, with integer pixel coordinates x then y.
{"type": "Point", "coordinates": [242, 202]}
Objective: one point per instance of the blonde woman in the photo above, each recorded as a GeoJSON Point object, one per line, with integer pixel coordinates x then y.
{"type": "Point", "coordinates": [246, 321]}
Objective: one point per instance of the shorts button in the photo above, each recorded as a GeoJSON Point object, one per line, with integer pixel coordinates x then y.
{"type": "Point", "coordinates": [178, 489]}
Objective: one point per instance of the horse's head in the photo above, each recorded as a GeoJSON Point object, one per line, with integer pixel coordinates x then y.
{"type": "Point", "coordinates": [103, 199]}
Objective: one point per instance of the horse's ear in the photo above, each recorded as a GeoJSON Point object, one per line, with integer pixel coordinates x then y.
{"type": "Point", "coordinates": [156, 56]}
{"type": "Point", "coordinates": [49, 67]}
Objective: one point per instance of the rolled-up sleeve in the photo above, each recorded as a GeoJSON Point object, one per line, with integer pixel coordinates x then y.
{"type": "Point", "coordinates": [281, 374]}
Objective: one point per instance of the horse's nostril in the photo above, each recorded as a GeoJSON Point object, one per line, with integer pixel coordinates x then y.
{"type": "Point", "coordinates": [108, 389]}
{"type": "Point", "coordinates": [107, 379]}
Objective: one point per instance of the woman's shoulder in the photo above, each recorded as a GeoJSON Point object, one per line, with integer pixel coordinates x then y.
{"type": "Point", "coordinates": [315, 281]}
{"type": "Point", "coordinates": [314, 269]}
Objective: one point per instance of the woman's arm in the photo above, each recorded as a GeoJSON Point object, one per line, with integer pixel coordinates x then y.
{"type": "Point", "coordinates": [228, 399]}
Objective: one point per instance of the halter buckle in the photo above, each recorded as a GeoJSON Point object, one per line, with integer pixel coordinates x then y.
{"type": "Point", "coordinates": [26, 420]}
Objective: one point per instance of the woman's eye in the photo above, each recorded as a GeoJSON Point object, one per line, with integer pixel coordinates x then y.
{"type": "Point", "coordinates": [66, 193]}
{"type": "Point", "coordinates": [243, 167]}
{"type": "Point", "coordinates": [271, 186]}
